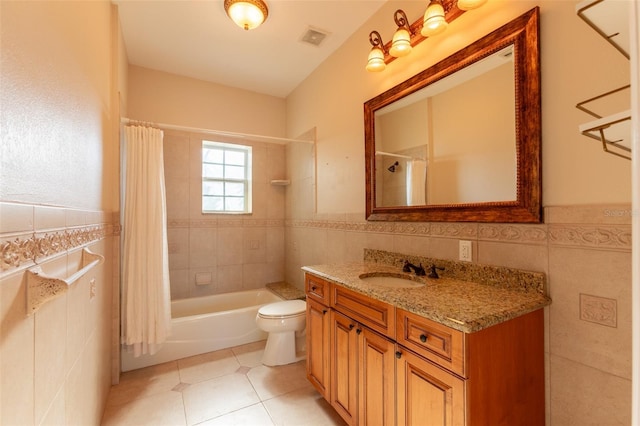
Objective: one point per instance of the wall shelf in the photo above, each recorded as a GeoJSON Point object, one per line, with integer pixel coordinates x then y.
{"type": "Point", "coordinates": [610, 19]}
{"type": "Point", "coordinates": [280, 182]}
{"type": "Point", "coordinates": [41, 287]}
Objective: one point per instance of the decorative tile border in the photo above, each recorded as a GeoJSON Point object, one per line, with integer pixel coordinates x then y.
{"type": "Point", "coordinates": [18, 250]}
{"type": "Point", "coordinates": [224, 223]}
{"type": "Point", "coordinates": [600, 236]}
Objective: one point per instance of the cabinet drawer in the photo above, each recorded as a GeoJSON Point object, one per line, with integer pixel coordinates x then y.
{"type": "Point", "coordinates": [436, 342]}
{"type": "Point", "coordinates": [317, 289]}
{"type": "Point", "coordinates": [377, 315]}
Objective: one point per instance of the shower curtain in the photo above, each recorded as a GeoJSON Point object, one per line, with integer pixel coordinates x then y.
{"type": "Point", "coordinates": [416, 182]}
{"type": "Point", "coordinates": [146, 309]}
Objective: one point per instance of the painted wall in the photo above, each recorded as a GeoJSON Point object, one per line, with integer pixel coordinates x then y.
{"type": "Point", "coordinates": [58, 192]}
{"type": "Point", "coordinates": [584, 244]}
{"type": "Point", "coordinates": [171, 99]}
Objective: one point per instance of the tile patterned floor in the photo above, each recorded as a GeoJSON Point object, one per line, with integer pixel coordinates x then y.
{"type": "Point", "coordinates": [226, 387]}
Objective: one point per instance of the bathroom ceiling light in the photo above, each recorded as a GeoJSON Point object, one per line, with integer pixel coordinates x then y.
{"type": "Point", "coordinates": [434, 21]}
{"type": "Point", "coordinates": [247, 14]}
{"type": "Point", "coordinates": [470, 4]}
{"type": "Point", "coordinates": [401, 43]}
{"type": "Point", "coordinates": [375, 62]}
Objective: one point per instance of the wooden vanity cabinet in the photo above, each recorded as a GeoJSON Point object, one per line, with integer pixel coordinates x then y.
{"type": "Point", "coordinates": [318, 346]}
{"type": "Point", "coordinates": [377, 364]}
{"type": "Point", "coordinates": [362, 373]}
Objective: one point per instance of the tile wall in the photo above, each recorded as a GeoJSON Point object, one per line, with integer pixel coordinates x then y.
{"type": "Point", "coordinates": [230, 252]}
{"type": "Point", "coordinates": [55, 364]}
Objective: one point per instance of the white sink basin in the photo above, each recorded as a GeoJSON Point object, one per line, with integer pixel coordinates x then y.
{"type": "Point", "coordinates": [391, 281]}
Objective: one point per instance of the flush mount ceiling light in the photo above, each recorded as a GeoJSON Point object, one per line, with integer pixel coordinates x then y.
{"type": "Point", "coordinates": [247, 14]}
{"type": "Point", "coordinates": [437, 16]}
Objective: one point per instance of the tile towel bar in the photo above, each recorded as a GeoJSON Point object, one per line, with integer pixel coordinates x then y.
{"type": "Point", "coordinates": [42, 288]}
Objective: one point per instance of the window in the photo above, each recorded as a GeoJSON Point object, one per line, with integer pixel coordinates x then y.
{"type": "Point", "coordinates": [226, 178]}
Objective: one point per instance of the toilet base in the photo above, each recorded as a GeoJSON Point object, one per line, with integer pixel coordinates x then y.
{"type": "Point", "coordinates": [281, 349]}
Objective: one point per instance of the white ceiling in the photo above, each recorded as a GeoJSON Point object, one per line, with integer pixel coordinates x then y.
{"type": "Point", "coordinates": [195, 38]}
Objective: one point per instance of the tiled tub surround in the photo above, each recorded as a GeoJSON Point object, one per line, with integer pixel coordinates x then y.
{"type": "Point", "coordinates": [235, 251]}
{"type": "Point", "coordinates": [466, 300]}
{"type": "Point", "coordinates": [55, 365]}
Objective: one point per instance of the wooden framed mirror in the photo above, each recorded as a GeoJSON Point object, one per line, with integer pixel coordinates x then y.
{"type": "Point", "coordinates": [461, 140]}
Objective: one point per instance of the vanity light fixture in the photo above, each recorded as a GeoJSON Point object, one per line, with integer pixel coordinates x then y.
{"type": "Point", "coordinates": [401, 42]}
{"type": "Point", "coordinates": [434, 21]}
{"type": "Point", "coordinates": [437, 16]}
{"type": "Point", "coordinates": [376, 62]}
{"type": "Point", "coordinates": [247, 14]}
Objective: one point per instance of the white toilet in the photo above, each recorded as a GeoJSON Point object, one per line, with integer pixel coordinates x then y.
{"type": "Point", "coordinates": [284, 321]}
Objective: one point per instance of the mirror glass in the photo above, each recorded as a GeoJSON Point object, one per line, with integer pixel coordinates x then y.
{"type": "Point", "coordinates": [423, 155]}
{"type": "Point", "coordinates": [448, 144]}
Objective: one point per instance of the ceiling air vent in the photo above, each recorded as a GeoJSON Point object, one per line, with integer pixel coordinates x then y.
{"type": "Point", "coordinates": [314, 36]}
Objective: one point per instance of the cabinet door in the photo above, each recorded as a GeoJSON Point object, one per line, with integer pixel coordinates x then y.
{"type": "Point", "coordinates": [428, 395]}
{"type": "Point", "coordinates": [318, 346]}
{"type": "Point", "coordinates": [376, 379]}
{"type": "Point", "coordinates": [344, 367]}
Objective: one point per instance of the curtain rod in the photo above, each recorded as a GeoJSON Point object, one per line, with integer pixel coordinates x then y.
{"type": "Point", "coordinates": [273, 139]}
{"type": "Point", "coordinates": [389, 154]}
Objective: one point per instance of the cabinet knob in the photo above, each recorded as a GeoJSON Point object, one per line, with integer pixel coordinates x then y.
{"type": "Point", "coordinates": [351, 326]}
{"type": "Point", "coordinates": [423, 338]}
{"type": "Point", "coordinates": [358, 331]}
{"type": "Point", "coordinates": [313, 288]}
{"type": "Point", "coordinates": [324, 311]}
{"type": "Point", "coordinates": [398, 354]}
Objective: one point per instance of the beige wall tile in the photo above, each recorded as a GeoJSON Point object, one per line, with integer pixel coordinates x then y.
{"type": "Point", "coordinates": [410, 244]}
{"type": "Point", "coordinates": [50, 352]}
{"type": "Point", "coordinates": [598, 273]}
{"type": "Point", "coordinates": [178, 201]}
{"type": "Point", "coordinates": [78, 325]}
{"type": "Point", "coordinates": [520, 256]}
{"type": "Point", "coordinates": [581, 395]}
{"type": "Point", "coordinates": [202, 247]}
{"type": "Point", "coordinates": [443, 248]}
{"type": "Point", "coordinates": [229, 278]}
{"type": "Point", "coordinates": [254, 245]}
{"type": "Point", "coordinates": [49, 218]}
{"type": "Point", "coordinates": [275, 244]}
{"type": "Point", "coordinates": [17, 349]}
{"type": "Point", "coordinates": [230, 246]}
{"type": "Point", "coordinates": [612, 214]}
{"type": "Point", "coordinates": [178, 243]}
{"type": "Point", "coordinates": [16, 217]}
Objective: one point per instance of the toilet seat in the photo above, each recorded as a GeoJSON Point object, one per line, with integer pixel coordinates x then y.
{"type": "Point", "coordinates": [283, 310]}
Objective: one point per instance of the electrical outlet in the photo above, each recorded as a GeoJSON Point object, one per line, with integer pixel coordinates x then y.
{"type": "Point", "coordinates": [465, 251]}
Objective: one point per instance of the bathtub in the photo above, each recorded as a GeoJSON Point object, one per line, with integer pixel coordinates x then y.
{"type": "Point", "coordinates": [208, 323]}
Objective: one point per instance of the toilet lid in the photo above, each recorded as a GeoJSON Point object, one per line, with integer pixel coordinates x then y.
{"type": "Point", "coordinates": [283, 309]}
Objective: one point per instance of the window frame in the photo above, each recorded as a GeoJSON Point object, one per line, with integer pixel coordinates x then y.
{"type": "Point", "coordinates": [247, 152]}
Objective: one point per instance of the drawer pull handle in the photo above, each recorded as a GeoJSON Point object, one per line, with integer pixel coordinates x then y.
{"type": "Point", "coordinates": [423, 338]}
{"type": "Point", "coordinates": [398, 354]}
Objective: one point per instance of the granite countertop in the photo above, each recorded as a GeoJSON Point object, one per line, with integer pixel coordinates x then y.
{"type": "Point", "coordinates": [286, 290]}
{"type": "Point", "coordinates": [460, 304]}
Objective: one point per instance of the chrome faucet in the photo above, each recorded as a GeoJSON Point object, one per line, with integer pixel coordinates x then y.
{"type": "Point", "coordinates": [419, 270]}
